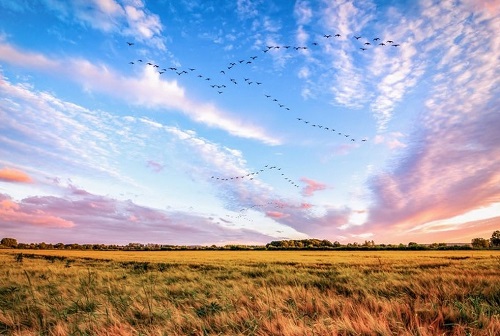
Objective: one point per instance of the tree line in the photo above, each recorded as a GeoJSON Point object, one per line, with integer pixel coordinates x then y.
{"type": "Point", "coordinates": [293, 244]}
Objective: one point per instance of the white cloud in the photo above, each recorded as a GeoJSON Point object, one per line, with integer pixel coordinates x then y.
{"type": "Point", "coordinates": [147, 90]}
{"type": "Point", "coordinates": [303, 12]}
{"type": "Point", "coordinates": [128, 18]}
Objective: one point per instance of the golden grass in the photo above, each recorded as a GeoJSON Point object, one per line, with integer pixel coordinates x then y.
{"type": "Point", "coordinates": [250, 293]}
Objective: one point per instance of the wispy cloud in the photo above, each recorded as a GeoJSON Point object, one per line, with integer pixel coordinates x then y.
{"type": "Point", "coordinates": [451, 165]}
{"type": "Point", "coordinates": [148, 90]}
{"type": "Point", "coordinates": [303, 12]}
{"type": "Point", "coordinates": [128, 18]}
{"type": "Point", "coordinates": [155, 166]}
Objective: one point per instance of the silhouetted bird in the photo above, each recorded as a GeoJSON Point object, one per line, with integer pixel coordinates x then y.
{"type": "Point", "coordinates": [327, 36]}
{"type": "Point", "coordinates": [357, 37]}
{"type": "Point", "coordinates": [362, 48]}
{"type": "Point", "coordinates": [130, 43]}
{"type": "Point", "coordinates": [376, 39]}
{"type": "Point", "coordinates": [337, 35]}
{"type": "Point", "coordinates": [389, 41]}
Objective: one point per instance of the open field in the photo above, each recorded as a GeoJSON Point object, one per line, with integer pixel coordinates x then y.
{"type": "Point", "coordinates": [250, 293]}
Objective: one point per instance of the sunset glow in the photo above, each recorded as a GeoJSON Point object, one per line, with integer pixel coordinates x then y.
{"type": "Point", "coordinates": [254, 121]}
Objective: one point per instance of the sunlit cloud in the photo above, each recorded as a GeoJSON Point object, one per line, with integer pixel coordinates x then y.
{"type": "Point", "coordinates": [451, 166]}
{"type": "Point", "coordinates": [14, 175]}
{"type": "Point", "coordinates": [146, 90]}
{"type": "Point", "coordinates": [80, 214]}
{"type": "Point", "coordinates": [311, 186]}
{"type": "Point", "coordinates": [22, 214]}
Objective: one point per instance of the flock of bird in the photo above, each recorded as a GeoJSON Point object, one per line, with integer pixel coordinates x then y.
{"type": "Point", "coordinates": [223, 85]}
{"type": "Point", "coordinates": [225, 80]}
{"type": "Point", "coordinates": [252, 175]}
{"type": "Point", "coordinates": [243, 213]}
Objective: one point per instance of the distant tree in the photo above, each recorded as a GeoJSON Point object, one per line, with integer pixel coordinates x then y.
{"type": "Point", "coordinates": [480, 243]}
{"type": "Point", "coordinates": [495, 238]}
{"type": "Point", "coordinates": [9, 242]}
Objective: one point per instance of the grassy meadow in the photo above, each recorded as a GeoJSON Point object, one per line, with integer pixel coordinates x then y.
{"type": "Point", "coordinates": [249, 293]}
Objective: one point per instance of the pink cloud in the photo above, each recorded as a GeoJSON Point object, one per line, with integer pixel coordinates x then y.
{"type": "Point", "coordinates": [13, 175]}
{"type": "Point", "coordinates": [449, 171]}
{"type": "Point", "coordinates": [155, 166]}
{"type": "Point", "coordinates": [276, 214]}
{"type": "Point", "coordinates": [312, 186]}
{"type": "Point", "coordinates": [89, 218]}
{"type": "Point", "coordinates": [20, 214]}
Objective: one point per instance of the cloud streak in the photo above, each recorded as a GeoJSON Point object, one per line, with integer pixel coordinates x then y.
{"type": "Point", "coordinates": [147, 90]}
{"type": "Point", "coordinates": [14, 176]}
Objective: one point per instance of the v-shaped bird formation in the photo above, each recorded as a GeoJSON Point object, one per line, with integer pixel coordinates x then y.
{"type": "Point", "coordinates": [225, 80]}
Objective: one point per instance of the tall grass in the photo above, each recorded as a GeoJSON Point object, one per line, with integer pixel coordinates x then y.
{"type": "Point", "coordinates": [250, 293]}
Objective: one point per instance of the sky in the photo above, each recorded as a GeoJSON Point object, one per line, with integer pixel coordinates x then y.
{"type": "Point", "coordinates": [242, 122]}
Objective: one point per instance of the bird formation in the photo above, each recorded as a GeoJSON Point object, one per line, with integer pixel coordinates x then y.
{"type": "Point", "coordinates": [243, 213]}
{"type": "Point", "coordinates": [328, 129]}
{"type": "Point", "coordinates": [225, 80]}
{"type": "Point", "coordinates": [252, 175]}
{"type": "Point", "coordinates": [376, 41]}
{"type": "Point", "coordinates": [220, 88]}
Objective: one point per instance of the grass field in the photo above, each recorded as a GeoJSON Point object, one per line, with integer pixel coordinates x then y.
{"type": "Point", "coordinates": [250, 293]}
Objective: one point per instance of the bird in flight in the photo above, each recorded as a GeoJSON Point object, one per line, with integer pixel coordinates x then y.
{"type": "Point", "coordinates": [376, 39]}
{"type": "Point", "coordinates": [130, 43]}
{"type": "Point", "coordinates": [362, 48]}
{"type": "Point", "coordinates": [389, 41]}
{"type": "Point", "coordinates": [367, 43]}
{"type": "Point", "coordinates": [395, 45]}
{"type": "Point", "coordinates": [327, 36]}
{"type": "Point", "coordinates": [382, 44]}
{"type": "Point", "coordinates": [337, 35]}
{"type": "Point", "coordinates": [357, 37]}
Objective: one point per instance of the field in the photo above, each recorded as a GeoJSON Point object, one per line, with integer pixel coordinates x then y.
{"type": "Point", "coordinates": [250, 293]}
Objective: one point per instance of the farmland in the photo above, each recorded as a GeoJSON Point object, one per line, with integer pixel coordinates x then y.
{"type": "Point", "coordinates": [249, 293]}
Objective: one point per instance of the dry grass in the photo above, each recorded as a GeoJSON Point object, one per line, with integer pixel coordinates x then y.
{"type": "Point", "coordinates": [250, 293]}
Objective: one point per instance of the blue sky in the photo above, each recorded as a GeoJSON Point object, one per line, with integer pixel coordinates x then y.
{"type": "Point", "coordinates": [253, 121]}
